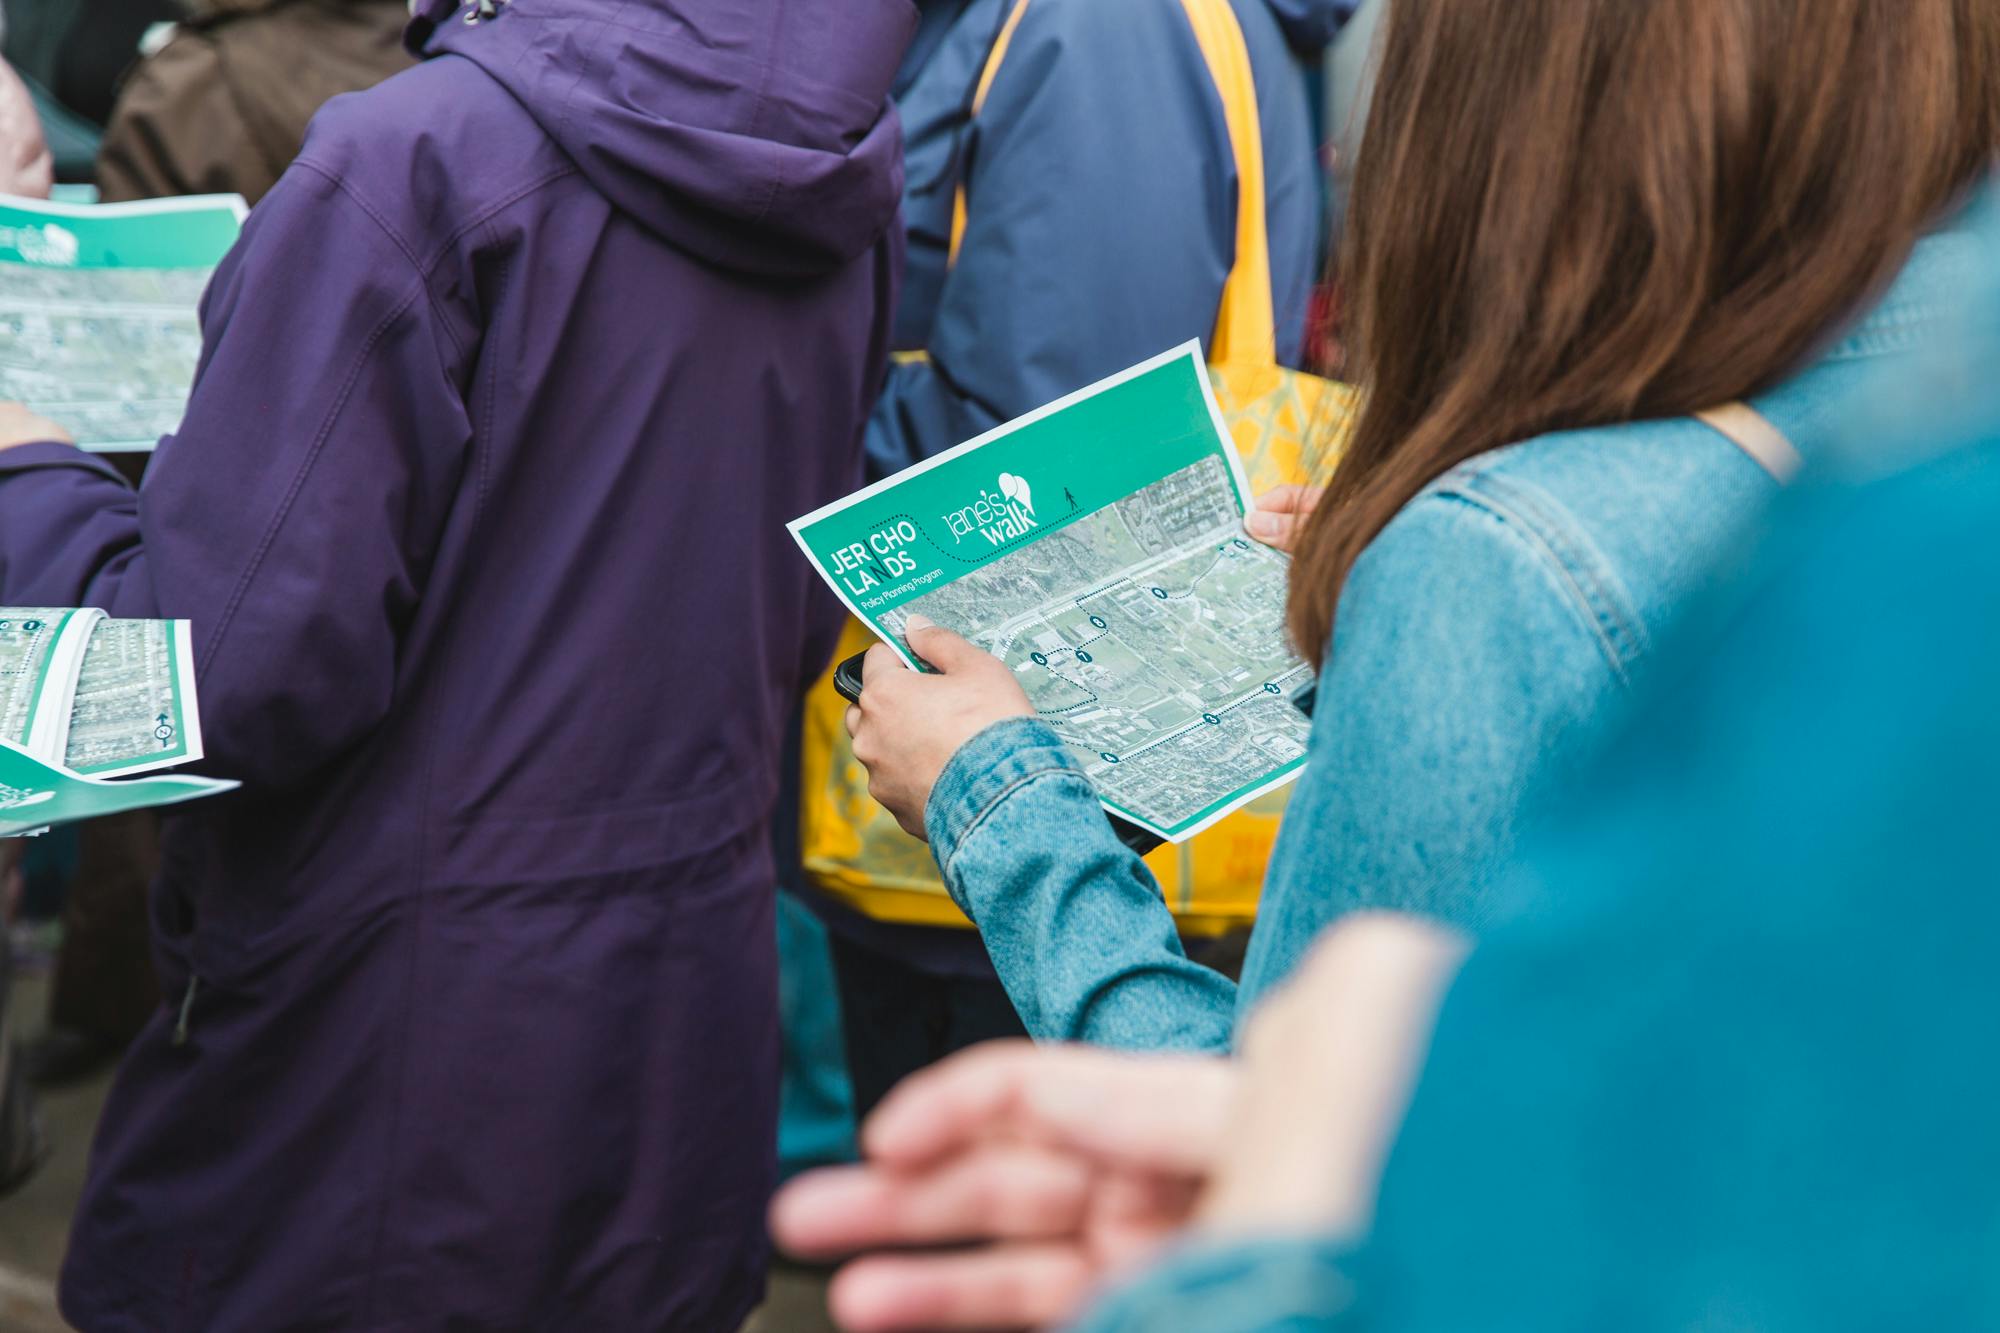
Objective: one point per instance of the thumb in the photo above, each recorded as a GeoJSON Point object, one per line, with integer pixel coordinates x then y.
{"type": "Point", "coordinates": [1289, 499]}
{"type": "Point", "coordinates": [938, 646]}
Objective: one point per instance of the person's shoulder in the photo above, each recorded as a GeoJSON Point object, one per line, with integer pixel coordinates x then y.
{"type": "Point", "coordinates": [1647, 507]}
{"type": "Point", "coordinates": [188, 63]}
{"type": "Point", "coordinates": [1494, 541]}
{"type": "Point", "coordinates": [1107, 30]}
{"type": "Point", "coordinates": [430, 151]}
{"type": "Point", "coordinates": [1579, 466]}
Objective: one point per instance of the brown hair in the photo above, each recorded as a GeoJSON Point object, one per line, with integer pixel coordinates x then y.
{"type": "Point", "coordinates": [1568, 213]}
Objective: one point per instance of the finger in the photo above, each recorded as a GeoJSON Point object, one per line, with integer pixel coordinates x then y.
{"type": "Point", "coordinates": [1012, 1286]}
{"type": "Point", "coordinates": [946, 651]}
{"type": "Point", "coordinates": [997, 1192]}
{"type": "Point", "coordinates": [1163, 1113]}
{"type": "Point", "coordinates": [1133, 1214]}
{"type": "Point", "coordinates": [853, 719]}
{"type": "Point", "coordinates": [943, 1108]}
{"type": "Point", "coordinates": [880, 658]}
{"type": "Point", "coordinates": [1290, 499]}
{"type": "Point", "coordinates": [1279, 530]}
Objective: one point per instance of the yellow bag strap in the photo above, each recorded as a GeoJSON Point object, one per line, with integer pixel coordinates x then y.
{"type": "Point", "coordinates": [1245, 328]}
{"type": "Point", "coordinates": [985, 85]}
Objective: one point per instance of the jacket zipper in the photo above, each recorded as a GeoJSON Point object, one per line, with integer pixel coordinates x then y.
{"type": "Point", "coordinates": [187, 1010]}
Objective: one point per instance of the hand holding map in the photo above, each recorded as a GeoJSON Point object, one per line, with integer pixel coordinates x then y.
{"type": "Point", "coordinates": [1281, 514]}
{"type": "Point", "coordinates": [100, 328]}
{"type": "Point", "coordinates": [909, 723]}
{"type": "Point", "coordinates": [84, 697]}
{"type": "Point", "coordinates": [19, 425]}
{"type": "Point", "coordinates": [1096, 548]}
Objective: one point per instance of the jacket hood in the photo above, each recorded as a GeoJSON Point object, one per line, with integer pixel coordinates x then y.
{"type": "Point", "coordinates": [758, 136]}
{"type": "Point", "coordinates": [1310, 25]}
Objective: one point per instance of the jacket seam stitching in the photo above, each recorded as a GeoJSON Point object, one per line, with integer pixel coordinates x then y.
{"type": "Point", "coordinates": [424, 267]}
{"type": "Point", "coordinates": [1582, 604]}
{"type": "Point", "coordinates": [392, 235]}
{"type": "Point", "coordinates": [359, 201]}
{"type": "Point", "coordinates": [225, 621]}
{"type": "Point", "coordinates": [493, 210]}
{"type": "Point", "coordinates": [978, 821]}
{"type": "Point", "coordinates": [1578, 599]}
{"type": "Point", "coordinates": [757, 120]}
{"type": "Point", "coordinates": [1604, 597]}
{"type": "Point", "coordinates": [483, 456]}
{"type": "Point", "coordinates": [420, 907]}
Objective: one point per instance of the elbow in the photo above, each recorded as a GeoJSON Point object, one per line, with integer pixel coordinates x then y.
{"type": "Point", "coordinates": [277, 734]}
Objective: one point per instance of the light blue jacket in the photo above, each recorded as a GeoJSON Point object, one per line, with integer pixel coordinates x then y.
{"type": "Point", "coordinates": [1478, 638]}
{"type": "Point", "coordinates": [1733, 1071]}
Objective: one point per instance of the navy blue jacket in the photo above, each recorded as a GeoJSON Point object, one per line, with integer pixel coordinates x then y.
{"type": "Point", "coordinates": [1101, 195]}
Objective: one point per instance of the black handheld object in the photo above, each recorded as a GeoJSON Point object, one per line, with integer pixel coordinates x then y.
{"type": "Point", "coordinates": [847, 680]}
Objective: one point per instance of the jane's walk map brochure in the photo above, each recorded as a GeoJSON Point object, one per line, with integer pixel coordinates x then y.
{"type": "Point", "coordinates": [99, 330]}
{"type": "Point", "coordinates": [35, 796]}
{"type": "Point", "coordinates": [84, 698]}
{"type": "Point", "coordinates": [1096, 546]}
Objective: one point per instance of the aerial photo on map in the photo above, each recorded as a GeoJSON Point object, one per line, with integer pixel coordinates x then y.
{"type": "Point", "coordinates": [1149, 635]}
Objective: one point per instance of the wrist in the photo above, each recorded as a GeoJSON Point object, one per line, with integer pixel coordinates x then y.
{"type": "Point", "coordinates": [26, 455]}
{"type": "Point", "coordinates": [983, 771]}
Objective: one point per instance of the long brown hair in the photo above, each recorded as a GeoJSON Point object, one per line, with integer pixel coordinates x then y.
{"type": "Point", "coordinates": [1569, 213]}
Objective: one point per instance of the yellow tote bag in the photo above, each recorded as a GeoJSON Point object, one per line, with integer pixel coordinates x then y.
{"type": "Point", "coordinates": [1274, 414]}
{"type": "Point", "coordinates": [853, 848]}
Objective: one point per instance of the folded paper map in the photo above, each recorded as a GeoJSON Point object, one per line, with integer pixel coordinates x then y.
{"type": "Point", "coordinates": [84, 698]}
{"type": "Point", "coordinates": [36, 796]}
{"type": "Point", "coordinates": [1096, 546]}
{"type": "Point", "coordinates": [99, 329]}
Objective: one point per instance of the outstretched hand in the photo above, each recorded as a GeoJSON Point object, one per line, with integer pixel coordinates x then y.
{"type": "Point", "coordinates": [1048, 1171]}
{"type": "Point", "coordinates": [25, 165]}
{"type": "Point", "coordinates": [909, 724]}
{"type": "Point", "coordinates": [1056, 1167]}
{"type": "Point", "coordinates": [1280, 513]}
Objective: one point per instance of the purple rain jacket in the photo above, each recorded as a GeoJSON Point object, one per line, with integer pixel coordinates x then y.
{"type": "Point", "coordinates": [478, 512]}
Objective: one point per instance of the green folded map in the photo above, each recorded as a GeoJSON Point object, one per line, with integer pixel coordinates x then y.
{"type": "Point", "coordinates": [84, 698]}
{"type": "Point", "coordinates": [36, 796]}
{"type": "Point", "coordinates": [100, 328]}
{"type": "Point", "coordinates": [1096, 546]}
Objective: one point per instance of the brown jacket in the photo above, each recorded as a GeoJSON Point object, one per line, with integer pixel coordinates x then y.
{"type": "Point", "coordinates": [223, 106]}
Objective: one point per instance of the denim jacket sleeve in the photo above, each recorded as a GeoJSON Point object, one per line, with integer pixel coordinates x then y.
{"type": "Point", "coordinates": [1074, 922]}
{"type": "Point", "coordinates": [1471, 650]}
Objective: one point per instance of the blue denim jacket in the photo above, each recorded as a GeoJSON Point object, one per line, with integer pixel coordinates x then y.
{"type": "Point", "coordinates": [1479, 635]}
{"type": "Point", "coordinates": [1718, 1079]}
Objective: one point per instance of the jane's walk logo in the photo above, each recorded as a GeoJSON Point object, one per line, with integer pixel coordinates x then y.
{"type": "Point", "coordinates": [1000, 519]}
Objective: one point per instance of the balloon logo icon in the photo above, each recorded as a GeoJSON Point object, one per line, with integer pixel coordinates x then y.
{"type": "Point", "coordinates": [1016, 489]}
